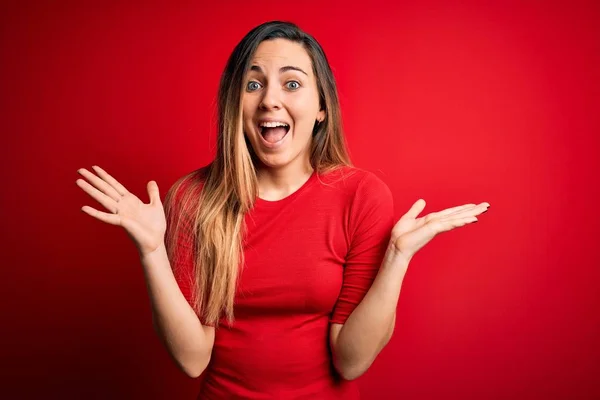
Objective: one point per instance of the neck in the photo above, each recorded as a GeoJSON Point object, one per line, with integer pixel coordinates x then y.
{"type": "Point", "coordinates": [277, 183]}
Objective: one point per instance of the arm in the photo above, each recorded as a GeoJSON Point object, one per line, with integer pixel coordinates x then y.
{"type": "Point", "coordinates": [362, 321]}
{"type": "Point", "coordinates": [356, 343]}
{"type": "Point", "coordinates": [370, 325]}
{"type": "Point", "coordinates": [188, 342]}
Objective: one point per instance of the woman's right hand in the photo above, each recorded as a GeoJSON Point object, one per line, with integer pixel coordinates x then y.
{"type": "Point", "coordinates": [144, 223]}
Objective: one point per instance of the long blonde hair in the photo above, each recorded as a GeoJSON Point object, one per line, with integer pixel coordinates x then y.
{"type": "Point", "coordinates": [214, 216]}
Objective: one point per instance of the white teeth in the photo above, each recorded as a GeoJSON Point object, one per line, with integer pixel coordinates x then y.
{"type": "Point", "coordinates": [272, 124]}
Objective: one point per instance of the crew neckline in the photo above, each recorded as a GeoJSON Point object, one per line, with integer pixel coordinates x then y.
{"type": "Point", "coordinates": [274, 203]}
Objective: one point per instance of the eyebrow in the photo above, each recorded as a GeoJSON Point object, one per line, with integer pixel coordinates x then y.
{"type": "Point", "coordinates": [281, 70]}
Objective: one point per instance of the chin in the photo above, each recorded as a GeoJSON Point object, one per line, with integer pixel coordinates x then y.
{"type": "Point", "coordinates": [275, 160]}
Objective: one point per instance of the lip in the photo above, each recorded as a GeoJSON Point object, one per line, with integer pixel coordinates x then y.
{"type": "Point", "coordinates": [260, 121]}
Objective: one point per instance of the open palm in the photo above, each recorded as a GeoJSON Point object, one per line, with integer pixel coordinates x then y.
{"type": "Point", "coordinates": [411, 233]}
{"type": "Point", "coordinates": [144, 223]}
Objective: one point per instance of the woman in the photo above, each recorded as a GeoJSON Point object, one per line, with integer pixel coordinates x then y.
{"type": "Point", "coordinates": [276, 269]}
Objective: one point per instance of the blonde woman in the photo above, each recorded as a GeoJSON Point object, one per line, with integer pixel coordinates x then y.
{"type": "Point", "coordinates": [276, 269]}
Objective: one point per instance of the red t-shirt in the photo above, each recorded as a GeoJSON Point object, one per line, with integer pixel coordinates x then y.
{"type": "Point", "coordinates": [309, 260]}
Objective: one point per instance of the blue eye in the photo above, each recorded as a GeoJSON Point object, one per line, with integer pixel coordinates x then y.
{"type": "Point", "coordinates": [252, 86]}
{"type": "Point", "coordinates": [293, 85]}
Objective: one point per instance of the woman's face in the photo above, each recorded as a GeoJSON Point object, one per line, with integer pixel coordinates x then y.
{"type": "Point", "coordinates": [280, 103]}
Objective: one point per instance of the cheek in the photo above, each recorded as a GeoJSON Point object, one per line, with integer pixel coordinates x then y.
{"type": "Point", "coordinates": [247, 116]}
{"type": "Point", "coordinates": [248, 104]}
{"type": "Point", "coordinates": [304, 111]}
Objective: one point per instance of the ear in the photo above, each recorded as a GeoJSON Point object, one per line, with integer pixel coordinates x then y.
{"type": "Point", "coordinates": [321, 116]}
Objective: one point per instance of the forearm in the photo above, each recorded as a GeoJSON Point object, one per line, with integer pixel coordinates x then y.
{"type": "Point", "coordinates": [177, 325]}
{"type": "Point", "coordinates": [370, 326]}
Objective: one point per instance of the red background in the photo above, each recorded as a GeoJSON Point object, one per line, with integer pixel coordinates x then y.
{"type": "Point", "coordinates": [454, 102]}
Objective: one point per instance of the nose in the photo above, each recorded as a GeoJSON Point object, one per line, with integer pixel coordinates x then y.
{"type": "Point", "coordinates": [271, 98]}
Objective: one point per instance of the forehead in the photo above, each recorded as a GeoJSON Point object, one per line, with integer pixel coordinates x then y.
{"type": "Point", "coordinates": [276, 53]}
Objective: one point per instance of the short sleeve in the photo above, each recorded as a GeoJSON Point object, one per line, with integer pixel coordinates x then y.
{"type": "Point", "coordinates": [370, 225]}
{"type": "Point", "coordinates": [183, 262]}
{"type": "Point", "coordinates": [183, 249]}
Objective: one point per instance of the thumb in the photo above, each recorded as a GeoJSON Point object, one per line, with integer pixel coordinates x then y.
{"type": "Point", "coordinates": [416, 208]}
{"type": "Point", "coordinates": [153, 192]}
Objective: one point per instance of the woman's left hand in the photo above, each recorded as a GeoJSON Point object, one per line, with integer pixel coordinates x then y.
{"type": "Point", "coordinates": [410, 233]}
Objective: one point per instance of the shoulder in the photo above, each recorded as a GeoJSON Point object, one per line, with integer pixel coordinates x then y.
{"type": "Point", "coordinates": [356, 182]}
{"type": "Point", "coordinates": [183, 194]}
{"type": "Point", "coordinates": [190, 183]}
{"type": "Point", "coordinates": [369, 206]}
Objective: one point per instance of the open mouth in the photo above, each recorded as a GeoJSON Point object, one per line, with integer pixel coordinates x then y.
{"type": "Point", "coordinates": [274, 134]}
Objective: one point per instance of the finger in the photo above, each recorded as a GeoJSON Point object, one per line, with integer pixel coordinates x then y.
{"type": "Point", "coordinates": [471, 211]}
{"type": "Point", "coordinates": [111, 181]}
{"type": "Point", "coordinates": [153, 192]}
{"type": "Point", "coordinates": [416, 209]}
{"type": "Point", "coordinates": [449, 224]}
{"type": "Point", "coordinates": [447, 212]}
{"type": "Point", "coordinates": [112, 219]}
{"type": "Point", "coordinates": [453, 210]}
{"type": "Point", "coordinates": [97, 195]}
{"type": "Point", "coordinates": [100, 184]}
